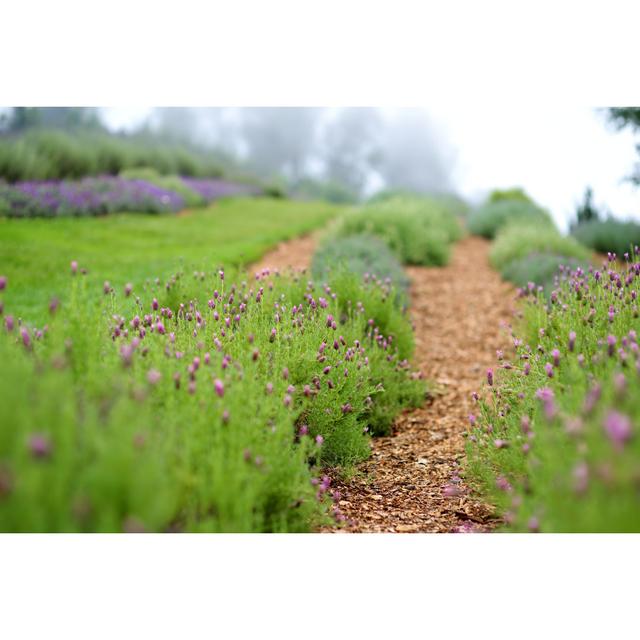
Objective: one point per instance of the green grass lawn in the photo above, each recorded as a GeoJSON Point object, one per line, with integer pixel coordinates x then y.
{"type": "Point", "coordinates": [35, 254]}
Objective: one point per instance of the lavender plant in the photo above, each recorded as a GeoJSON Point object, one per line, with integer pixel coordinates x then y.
{"type": "Point", "coordinates": [555, 440]}
{"type": "Point", "coordinates": [212, 402]}
{"type": "Point", "coordinates": [418, 230]}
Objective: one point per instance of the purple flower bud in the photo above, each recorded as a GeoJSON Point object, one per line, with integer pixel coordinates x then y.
{"type": "Point", "coordinates": [307, 390]}
{"type": "Point", "coordinates": [549, 370]}
{"type": "Point", "coordinates": [329, 320]}
{"type": "Point", "coordinates": [218, 385]}
{"type": "Point", "coordinates": [500, 444]}
{"type": "Point", "coordinates": [225, 416]}
{"type": "Point", "coordinates": [618, 427]}
{"type": "Point", "coordinates": [74, 267]}
{"type": "Point", "coordinates": [255, 355]}
{"type": "Point", "coordinates": [269, 388]}
{"type": "Point", "coordinates": [287, 400]}
{"type": "Point", "coordinates": [153, 376]}
{"type": "Point", "coordinates": [26, 338]}
{"type": "Point", "coordinates": [526, 369]}
{"type": "Point", "coordinates": [285, 373]}
{"type": "Point", "coordinates": [490, 377]}
{"type": "Point", "coordinates": [503, 484]}
{"type": "Point", "coordinates": [533, 525]}
{"type": "Point", "coordinates": [572, 340]}
{"type": "Point", "coordinates": [326, 370]}
{"type": "Point", "coordinates": [106, 287]}
{"type": "Point", "coordinates": [472, 419]}
{"type": "Point", "coordinates": [319, 439]}
{"type": "Point", "coordinates": [40, 445]}
{"type": "Point", "coordinates": [154, 304]}
{"type": "Point", "coordinates": [555, 354]}
{"type": "Point", "coordinates": [611, 343]}
{"type": "Point", "coordinates": [304, 430]}
{"type": "Point", "coordinates": [128, 288]}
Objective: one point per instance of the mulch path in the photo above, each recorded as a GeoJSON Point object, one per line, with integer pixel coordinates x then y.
{"type": "Point", "coordinates": [460, 314]}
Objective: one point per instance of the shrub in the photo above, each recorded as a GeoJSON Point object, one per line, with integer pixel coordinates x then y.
{"type": "Point", "coordinates": [199, 404]}
{"type": "Point", "coordinates": [556, 445]}
{"type": "Point", "coordinates": [610, 235]}
{"type": "Point", "coordinates": [514, 194]}
{"type": "Point", "coordinates": [417, 230]}
{"type": "Point", "coordinates": [310, 189]}
{"type": "Point", "coordinates": [364, 255]}
{"type": "Point", "coordinates": [43, 154]}
{"type": "Point", "coordinates": [539, 268]}
{"type": "Point", "coordinates": [493, 216]}
{"type": "Point", "coordinates": [517, 241]}
{"type": "Point", "coordinates": [170, 183]}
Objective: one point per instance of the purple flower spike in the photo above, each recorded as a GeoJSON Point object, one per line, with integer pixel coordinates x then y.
{"type": "Point", "coordinates": [40, 446]}
{"type": "Point", "coordinates": [319, 439]}
{"type": "Point", "coordinates": [555, 354]}
{"type": "Point", "coordinates": [618, 427]}
{"type": "Point", "coordinates": [572, 340]}
{"type": "Point", "coordinates": [548, 370]}
{"type": "Point", "coordinates": [218, 385]}
{"type": "Point", "coordinates": [153, 376]}
{"type": "Point", "coordinates": [611, 344]}
{"type": "Point", "coordinates": [3, 283]}
{"type": "Point", "coordinates": [490, 377]}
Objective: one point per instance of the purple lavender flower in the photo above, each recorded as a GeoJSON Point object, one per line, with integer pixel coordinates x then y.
{"type": "Point", "coordinates": [572, 340]}
{"type": "Point", "coordinates": [40, 445]}
{"type": "Point", "coordinates": [618, 427]}
{"type": "Point", "coordinates": [3, 283]}
{"type": "Point", "coordinates": [153, 376]}
{"type": "Point", "coordinates": [490, 377]}
{"type": "Point", "coordinates": [218, 386]}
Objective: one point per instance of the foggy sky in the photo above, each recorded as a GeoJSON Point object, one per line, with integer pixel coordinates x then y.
{"type": "Point", "coordinates": [553, 153]}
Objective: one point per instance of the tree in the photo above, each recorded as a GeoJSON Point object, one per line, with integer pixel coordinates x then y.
{"type": "Point", "coordinates": [414, 158]}
{"type": "Point", "coordinates": [623, 117]}
{"type": "Point", "coordinates": [586, 212]}
{"type": "Point", "coordinates": [351, 146]}
{"type": "Point", "coordinates": [280, 140]}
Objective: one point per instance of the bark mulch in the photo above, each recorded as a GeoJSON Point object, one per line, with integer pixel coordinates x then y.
{"type": "Point", "coordinates": [461, 315]}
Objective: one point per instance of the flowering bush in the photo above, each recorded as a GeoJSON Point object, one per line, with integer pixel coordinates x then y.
{"type": "Point", "coordinates": [540, 268]}
{"type": "Point", "coordinates": [418, 230]}
{"type": "Point", "coordinates": [209, 403]}
{"type": "Point", "coordinates": [99, 196]}
{"type": "Point", "coordinates": [365, 255]}
{"type": "Point", "coordinates": [87, 197]}
{"type": "Point", "coordinates": [555, 441]}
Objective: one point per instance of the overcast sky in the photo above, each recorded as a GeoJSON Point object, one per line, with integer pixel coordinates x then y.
{"type": "Point", "coordinates": [553, 153]}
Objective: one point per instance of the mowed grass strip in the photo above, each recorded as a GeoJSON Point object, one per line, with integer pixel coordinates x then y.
{"type": "Point", "coordinates": [35, 254]}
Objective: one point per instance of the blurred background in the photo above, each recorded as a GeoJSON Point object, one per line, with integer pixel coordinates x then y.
{"type": "Point", "coordinates": [563, 157]}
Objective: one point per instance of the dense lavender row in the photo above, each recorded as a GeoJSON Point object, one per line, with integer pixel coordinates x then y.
{"type": "Point", "coordinates": [554, 440]}
{"type": "Point", "coordinates": [106, 194]}
{"type": "Point", "coordinates": [200, 404]}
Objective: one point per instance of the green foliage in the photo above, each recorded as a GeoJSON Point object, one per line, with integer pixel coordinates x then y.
{"type": "Point", "coordinates": [586, 212]}
{"type": "Point", "coordinates": [539, 268]}
{"type": "Point", "coordinates": [517, 241]}
{"type": "Point", "coordinates": [360, 254]}
{"type": "Point", "coordinates": [609, 235]}
{"type": "Point", "coordinates": [516, 194]}
{"type": "Point", "coordinates": [42, 154]}
{"type": "Point", "coordinates": [418, 230]}
{"type": "Point", "coordinates": [310, 189]}
{"type": "Point", "coordinates": [171, 183]}
{"type": "Point", "coordinates": [556, 443]}
{"type": "Point", "coordinates": [203, 425]}
{"type": "Point", "coordinates": [493, 216]}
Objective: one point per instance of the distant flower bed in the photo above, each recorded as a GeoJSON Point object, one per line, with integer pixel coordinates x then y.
{"type": "Point", "coordinates": [104, 195]}
{"type": "Point", "coordinates": [214, 189]}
